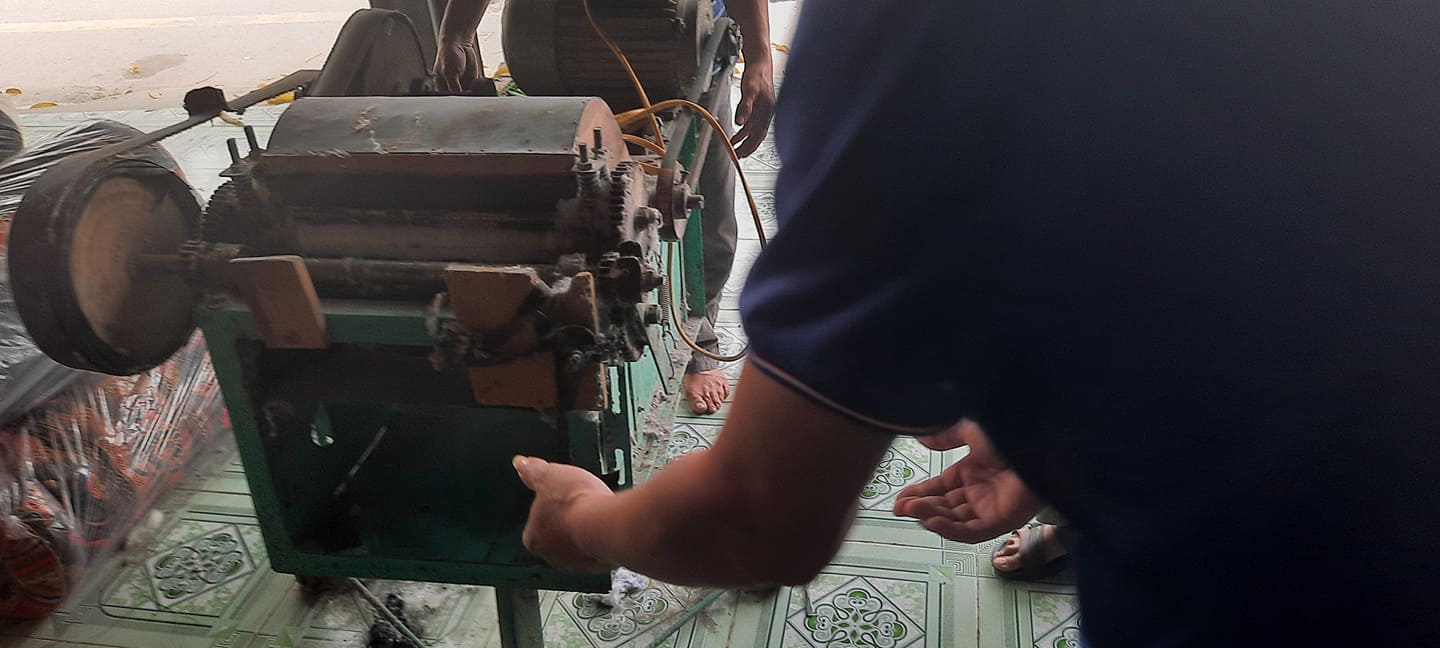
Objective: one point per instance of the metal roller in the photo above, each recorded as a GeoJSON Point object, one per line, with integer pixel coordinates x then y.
{"type": "Point", "coordinates": [552, 49]}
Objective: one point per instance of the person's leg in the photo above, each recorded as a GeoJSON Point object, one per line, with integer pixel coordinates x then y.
{"type": "Point", "coordinates": [705, 385]}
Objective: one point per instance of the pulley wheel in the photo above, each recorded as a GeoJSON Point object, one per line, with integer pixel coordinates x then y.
{"type": "Point", "coordinates": [75, 250]}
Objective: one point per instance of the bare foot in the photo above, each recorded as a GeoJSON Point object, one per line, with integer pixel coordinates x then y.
{"type": "Point", "coordinates": [706, 390]}
{"type": "Point", "coordinates": [1029, 546]}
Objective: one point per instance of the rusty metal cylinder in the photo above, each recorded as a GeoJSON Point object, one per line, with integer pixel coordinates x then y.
{"type": "Point", "coordinates": [552, 49]}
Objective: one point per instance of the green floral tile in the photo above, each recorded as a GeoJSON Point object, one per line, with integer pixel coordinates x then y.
{"type": "Point", "coordinates": [579, 620]}
{"type": "Point", "coordinates": [861, 612]}
{"type": "Point", "coordinates": [199, 568]}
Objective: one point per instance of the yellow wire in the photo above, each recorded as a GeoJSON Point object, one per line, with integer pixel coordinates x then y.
{"type": "Point", "coordinates": [645, 144]}
{"type": "Point", "coordinates": [729, 148]}
{"type": "Point", "coordinates": [615, 49]}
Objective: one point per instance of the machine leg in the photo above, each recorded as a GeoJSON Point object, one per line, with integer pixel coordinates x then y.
{"type": "Point", "coordinates": [519, 611]}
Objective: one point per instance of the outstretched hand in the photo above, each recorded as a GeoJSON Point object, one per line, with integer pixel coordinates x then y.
{"type": "Point", "coordinates": [559, 491]}
{"type": "Point", "coordinates": [977, 498]}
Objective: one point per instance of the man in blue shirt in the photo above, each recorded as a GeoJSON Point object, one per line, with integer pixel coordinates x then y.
{"type": "Point", "coordinates": [1179, 260]}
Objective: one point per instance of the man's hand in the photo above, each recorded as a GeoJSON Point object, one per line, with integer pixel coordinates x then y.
{"type": "Point", "coordinates": [559, 490]}
{"type": "Point", "coordinates": [757, 104]}
{"type": "Point", "coordinates": [457, 64]}
{"type": "Point", "coordinates": [975, 499]}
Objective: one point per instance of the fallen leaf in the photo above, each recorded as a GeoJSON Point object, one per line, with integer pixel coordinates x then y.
{"type": "Point", "coordinates": [231, 119]}
{"type": "Point", "coordinates": [281, 99]}
{"type": "Point", "coordinates": [153, 95]}
{"type": "Point", "coordinates": [134, 69]}
{"type": "Point", "coordinates": [502, 70]}
{"type": "Point", "coordinates": [12, 91]}
{"type": "Point", "coordinates": [44, 104]}
{"type": "Point", "coordinates": [782, 48]}
{"type": "Point", "coordinates": [129, 92]}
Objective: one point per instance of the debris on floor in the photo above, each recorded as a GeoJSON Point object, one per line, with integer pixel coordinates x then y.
{"type": "Point", "coordinates": [623, 583]}
{"type": "Point", "coordinates": [384, 635]}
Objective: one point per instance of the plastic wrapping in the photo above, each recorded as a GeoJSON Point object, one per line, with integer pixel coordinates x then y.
{"type": "Point", "coordinates": [11, 140]}
{"type": "Point", "coordinates": [76, 474]}
{"type": "Point", "coordinates": [27, 377]}
{"type": "Point", "coordinates": [83, 456]}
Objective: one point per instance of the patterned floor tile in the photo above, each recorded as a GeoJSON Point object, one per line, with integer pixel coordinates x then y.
{"type": "Point", "coordinates": [857, 613]}
{"type": "Point", "coordinates": [746, 252]}
{"type": "Point", "coordinates": [580, 621]}
{"type": "Point", "coordinates": [745, 221]}
{"type": "Point", "coordinates": [200, 574]}
{"type": "Point", "coordinates": [688, 437]}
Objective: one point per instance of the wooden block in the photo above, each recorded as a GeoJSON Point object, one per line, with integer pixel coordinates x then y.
{"type": "Point", "coordinates": [526, 382]}
{"type": "Point", "coordinates": [282, 301]}
{"type": "Point", "coordinates": [486, 298]}
{"type": "Point", "coordinates": [590, 392]}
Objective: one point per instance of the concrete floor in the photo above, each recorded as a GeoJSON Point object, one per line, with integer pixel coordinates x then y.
{"type": "Point", "coordinates": [143, 54]}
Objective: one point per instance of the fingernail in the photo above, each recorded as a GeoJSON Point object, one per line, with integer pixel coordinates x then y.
{"type": "Point", "coordinates": [518, 461]}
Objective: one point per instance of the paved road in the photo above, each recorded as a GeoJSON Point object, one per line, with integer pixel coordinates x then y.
{"type": "Point", "coordinates": [134, 54]}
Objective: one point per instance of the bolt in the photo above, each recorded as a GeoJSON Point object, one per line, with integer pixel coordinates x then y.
{"type": "Point", "coordinates": [234, 150]}
{"type": "Point", "coordinates": [573, 362]}
{"type": "Point", "coordinates": [695, 201]}
{"type": "Point", "coordinates": [599, 139]}
{"type": "Point", "coordinates": [652, 314]}
{"type": "Point", "coordinates": [251, 139]}
{"type": "Point", "coordinates": [585, 166]}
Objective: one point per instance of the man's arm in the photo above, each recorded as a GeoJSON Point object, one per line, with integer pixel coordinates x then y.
{"type": "Point", "coordinates": [757, 84]}
{"type": "Point", "coordinates": [457, 57]}
{"type": "Point", "coordinates": [767, 505]}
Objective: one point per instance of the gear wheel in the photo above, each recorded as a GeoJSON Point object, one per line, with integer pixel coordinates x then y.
{"type": "Point", "coordinates": [232, 215]}
{"type": "Point", "coordinates": [619, 192]}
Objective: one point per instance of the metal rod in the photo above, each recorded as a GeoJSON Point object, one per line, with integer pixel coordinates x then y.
{"type": "Point", "coordinates": [385, 612]}
{"type": "Point", "coordinates": [684, 618]}
{"type": "Point", "coordinates": [519, 614]}
{"type": "Point", "coordinates": [364, 456]}
{"type": "Point", "coordinates": [703, 80]}
{"type": "Point", "coordinates": [250, 139]}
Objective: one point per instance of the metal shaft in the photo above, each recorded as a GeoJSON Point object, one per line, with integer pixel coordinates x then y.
{"type": "Point", "coordinates": [519, 612]}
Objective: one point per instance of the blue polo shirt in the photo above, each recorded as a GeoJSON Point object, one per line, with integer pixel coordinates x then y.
{"type": "Point", "coordinates": [1181, 260]}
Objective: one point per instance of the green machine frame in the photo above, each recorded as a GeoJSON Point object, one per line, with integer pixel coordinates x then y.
{"type": "Point", "coordinates": [413, 480]}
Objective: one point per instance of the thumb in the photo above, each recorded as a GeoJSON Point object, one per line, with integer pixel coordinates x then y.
{"type": "Point", "coordinates": [531, 470]}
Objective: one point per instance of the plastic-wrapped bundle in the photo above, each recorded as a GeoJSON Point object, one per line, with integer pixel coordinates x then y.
{"type": "Point", "coordinates": [10, 140]}
{"type": "Point", "coordinates": [76, 474]}
{"type": "Point", "coordinates": [27, 377]}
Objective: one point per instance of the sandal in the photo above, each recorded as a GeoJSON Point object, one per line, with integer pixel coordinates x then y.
{"type": "Point", "coordinates": [1032, 563]}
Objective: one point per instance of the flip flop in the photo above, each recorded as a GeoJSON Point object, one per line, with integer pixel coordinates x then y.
{"type": "Point", "coordinates": [1032, 565]}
